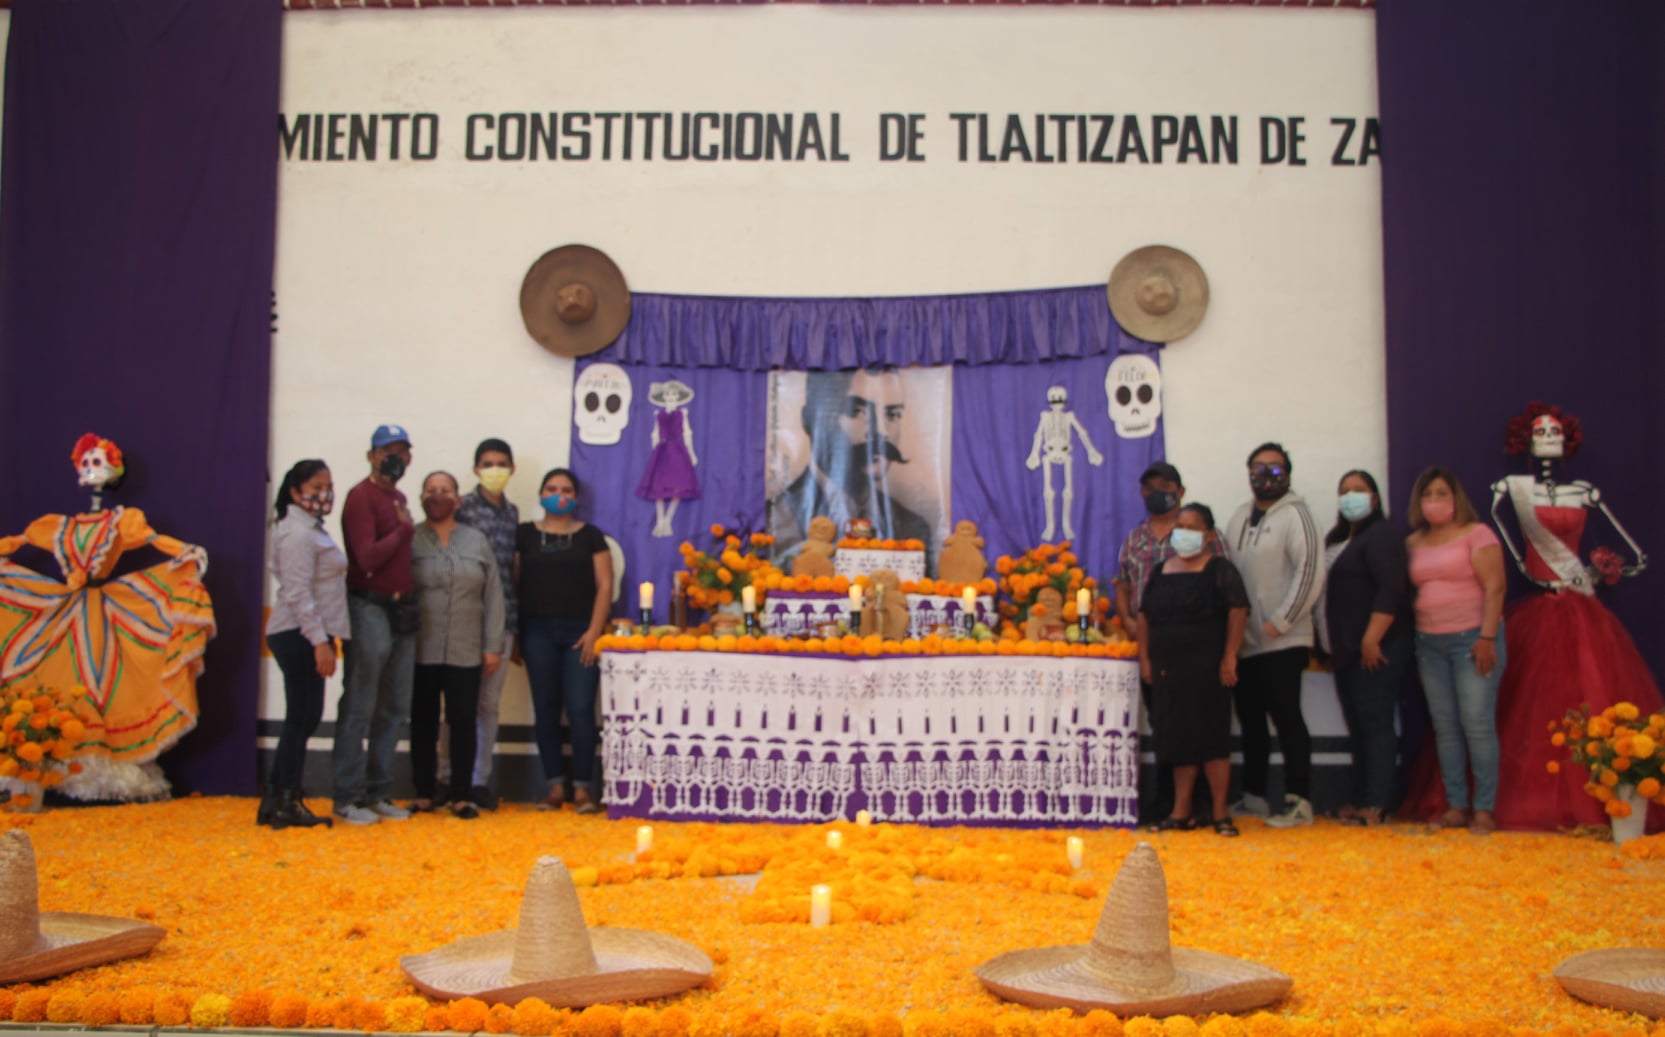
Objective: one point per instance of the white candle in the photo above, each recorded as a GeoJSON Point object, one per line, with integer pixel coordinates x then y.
{"type": "Point", "coordinates": [820, 906]}
{"type": "Point", "coordinates": [835, 840]}
{"type": "Point", "coordinates": [1083, 602]}
{"type": "Point", "coordinates": [1076, 850]}
{"type": "Point", "coordinates": [644, 594]}
{"type": "Point", "coordinates": [855, 598]}
{"type": "Point", "coordinates": [644, 838]}
{"type": "Point", "coordinates": [969, 598]}
{"type": "Point", "coordinates": [863, 819]}
{"type": "Point", "coordinates": [748, 599]}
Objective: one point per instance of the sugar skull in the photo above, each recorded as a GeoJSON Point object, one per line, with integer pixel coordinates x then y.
{"type": "Point", "coordinates": [601, 404]}
{"type": "Point", "coordinates": [98, 462]}
{"type": "Point", "coordinates": [1548, 437]}
{"type": "Point", "coordinates": [1134, 386]}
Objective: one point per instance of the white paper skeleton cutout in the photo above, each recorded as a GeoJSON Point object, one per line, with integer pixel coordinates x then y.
{"type": "Point", "coordinates": [1053, 438]}
{"type": "Point", "coordinates": [601, 404]}
{"type": "Point", "coordinates": [1134, 385]}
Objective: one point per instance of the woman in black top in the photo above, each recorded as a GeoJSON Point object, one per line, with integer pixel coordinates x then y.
{"type": "Point", "coordinates": [1192, 617]}
{"type": "Point", "coordinates": [1367, 630]}
{"type": "Point", "coordinates": [564, 575]}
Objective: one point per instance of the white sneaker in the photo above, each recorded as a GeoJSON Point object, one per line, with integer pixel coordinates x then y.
{"type": "Point", "coordinates": [1251, 805]}
{"type": "Point", "coordinates": [354, 814]}
{"type": "Point", "coordinates": [1296, 811]}
{"type": "Point", "coordinates": [389, 810]}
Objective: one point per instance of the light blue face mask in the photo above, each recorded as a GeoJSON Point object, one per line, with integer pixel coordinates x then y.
{"type": "Point", "coordinates": [1188, 543]}
{"type": "Point", "coordinates": [1354, 505]}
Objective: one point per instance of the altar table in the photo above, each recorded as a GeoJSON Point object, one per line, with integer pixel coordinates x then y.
{"type": "Point", "coordinates": [979, 740]}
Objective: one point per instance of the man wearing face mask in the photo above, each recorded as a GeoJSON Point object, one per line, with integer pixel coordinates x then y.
{"type": "Point", "coordinates": [381, 656]}
{"type": "Point", "coordinates": [1277, 548]}
{"type": "Point", "coordinates": [489, 511]}
{"type": "Point", "coordinates": [1143, 552]}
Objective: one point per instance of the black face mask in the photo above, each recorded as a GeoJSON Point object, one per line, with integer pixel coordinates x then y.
{"type": "Point", "coordinates": [392, 467]}
{"type": "Point", "coordinates": [1160, 502]}
{"type": "Point", "coordinates": [1268, 486]}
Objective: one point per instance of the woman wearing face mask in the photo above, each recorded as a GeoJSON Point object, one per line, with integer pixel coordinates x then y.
{"type": "Point", "coordinates": [1456, 564]}
{"type": "Point", "coordinates": [1365, 625]}
{"type": "Point", "coordinates": [564, 578]}
{"type": "Point", "coordinates": [1194, 611]}
{"type": "Point", "coordinates": [460, 596]}
{"type": "Point", "coordinates": [1276, 545]}
{"type": "Point", "coordinates": [309, 614]}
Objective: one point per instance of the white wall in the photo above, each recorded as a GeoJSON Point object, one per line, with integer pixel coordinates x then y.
{"type": "Point", "coordinates": [397, 281]}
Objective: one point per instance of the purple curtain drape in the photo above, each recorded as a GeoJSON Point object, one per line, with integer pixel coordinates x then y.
{"type": "Point", "coordinates": [1523, 203]}
{"type": "Point", "coordinates": [138, 199]}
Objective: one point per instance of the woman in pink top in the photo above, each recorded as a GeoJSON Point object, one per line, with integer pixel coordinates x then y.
{"type": "Point", "coordinates": [1457, 567]}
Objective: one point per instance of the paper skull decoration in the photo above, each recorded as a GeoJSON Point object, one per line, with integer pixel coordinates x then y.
{"type": "Point", "coordinates": [601, 404]}
{"type": "Point", "coordinates": [1549, 439]}
{"type": "Point", "coordinates": [1134, 386]}
{"type": "Point", "coordinates": [98, 462]}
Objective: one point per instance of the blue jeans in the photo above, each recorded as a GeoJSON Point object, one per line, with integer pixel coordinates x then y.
{"type": "Point", "coordinates": [560, 680]}
{"type": "Point", "coordinates": [303, 706]}
{"type": "Point", "coordinates": [375, 702]}
{"type": "Point", "coordinates": [1463, 708]}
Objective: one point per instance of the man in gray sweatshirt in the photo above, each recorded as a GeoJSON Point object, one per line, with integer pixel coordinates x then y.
{"type": "Point", "coordinates": [1277, 547]}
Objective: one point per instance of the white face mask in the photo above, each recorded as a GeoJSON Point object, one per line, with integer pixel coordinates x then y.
{"type": "Point", "coordinates": [1188, 543]}
{"type": "Point", "coordinates": [493, 479]}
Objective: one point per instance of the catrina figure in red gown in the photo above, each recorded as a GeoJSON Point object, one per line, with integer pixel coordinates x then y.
{"type": "Point", "coordinates": [1565, 648]}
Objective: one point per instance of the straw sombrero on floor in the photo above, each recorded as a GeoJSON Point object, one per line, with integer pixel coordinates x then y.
{"type": "Point", "coordinates": [554, 956]}
{"type": "Point", "coordinates": [1631, 979]}
{"type": "Point", "coordinates": [1129, 967]}
{"type": "Point", "coordinates": [35, 945]}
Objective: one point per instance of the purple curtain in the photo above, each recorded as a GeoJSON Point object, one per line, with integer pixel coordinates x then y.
{"type": "Point", "coordinates": [136, 243]}
{"type": "Point", "coordinates": [1524, 222]}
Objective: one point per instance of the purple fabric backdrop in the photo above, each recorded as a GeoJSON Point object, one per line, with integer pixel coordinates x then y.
{"type": "Point", "coordinates": [1524, 215]}
{"type": "Point", "coordinates": [136, 244]}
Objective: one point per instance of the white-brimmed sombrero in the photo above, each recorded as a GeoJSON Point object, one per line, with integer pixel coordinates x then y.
{"type": "Point", "coordinates": [554, 956]}
{"type": "Point", "coordinates": [1129, 968]}
{"type": "Point", "coordinates": [1631, 979]}
{"type": "Point", "coordinates": [35, 945]}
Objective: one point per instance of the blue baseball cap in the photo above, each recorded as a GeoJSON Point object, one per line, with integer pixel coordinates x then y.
{"type": "Point", "coordinates": [386, 434]}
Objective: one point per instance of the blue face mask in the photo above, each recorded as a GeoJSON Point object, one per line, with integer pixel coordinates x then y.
{"type": "Point", "coordinates": [1188, 543]}
{"type": "Point", "coordinates": [1354, 505]}
{"type": "Point", "coordinates": [556, 504]}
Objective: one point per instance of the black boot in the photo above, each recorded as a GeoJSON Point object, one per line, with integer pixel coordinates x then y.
{"type": "Point", "coordinates": [268, 806]}
{"type": "Point", "coordinates": [292, 812]}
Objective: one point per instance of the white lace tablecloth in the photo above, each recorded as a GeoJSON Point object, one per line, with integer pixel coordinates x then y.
{"type": "Point", "coordinates": [1007, 740]}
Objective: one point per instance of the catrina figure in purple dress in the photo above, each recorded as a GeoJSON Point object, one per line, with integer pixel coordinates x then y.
{"type": "Point", "coordinates": [670, 477]}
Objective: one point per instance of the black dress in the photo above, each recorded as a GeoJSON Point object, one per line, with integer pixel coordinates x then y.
{"type": "Point", "coordinates": [1185, 618]}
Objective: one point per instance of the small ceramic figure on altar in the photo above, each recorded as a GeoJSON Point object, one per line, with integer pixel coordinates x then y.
{"type": "Point", "coordinates": [815, 556]}
{"type": "Point", "coordinates": [1564, 647]}
{"type": "Point", "coordinates": [670, 478]}
{"type": "Point", "coordinates": [134, 640]}
{"type": "Point", "coordinates": [886, 610]}
{"type": "Point", "coordinates": [962, 555]}
{"type": "Point", "coordinates": [1046, 617]}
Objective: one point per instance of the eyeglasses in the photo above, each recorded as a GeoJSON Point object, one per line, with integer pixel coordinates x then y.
{"type": "Point", "coordinates": [1266, 469]}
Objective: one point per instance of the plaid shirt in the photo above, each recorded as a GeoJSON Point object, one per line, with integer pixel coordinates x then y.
{"type": "Point", "coordinates": [1143, 552]}
{"type": "Point", "coordinates": [498, 524]}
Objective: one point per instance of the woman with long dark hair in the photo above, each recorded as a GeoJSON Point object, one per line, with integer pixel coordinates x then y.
{"type": "Point", "coordinates": [309, 614]}
{"type": "Point", "coordinates": [1366, 627]}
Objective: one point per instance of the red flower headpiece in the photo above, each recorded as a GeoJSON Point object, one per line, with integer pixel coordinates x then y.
{"type": "Point", "coordinates": [1518, 437]}
{"type": "Point", "coordinates": [112, 453]}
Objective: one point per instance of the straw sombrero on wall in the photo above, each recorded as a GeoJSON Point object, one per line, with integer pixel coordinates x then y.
{"type": "Point", "coordinates": [554, 956]}
{"type": "Point", "coordinates": [1158, 293]}
{"type": "Point", "coordinates": [1129, 968]}
{"type": "Point", "coordinates": [1631, 979]}
{"type": "Point", "coordinates": [574, 301]}
{"type": "Point", "coordinates": [35, 945]}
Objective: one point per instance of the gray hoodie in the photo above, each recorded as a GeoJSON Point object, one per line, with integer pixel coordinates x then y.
{"type": "Point", "coordinates": [1282, 562]}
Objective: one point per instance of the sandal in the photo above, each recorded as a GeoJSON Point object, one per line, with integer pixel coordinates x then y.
{"type": "Point", "coordinates": [555, 799]}
{"type": "Point", "coordinates": [465, 810]}
{"type": "Point", "coordinates": [420, 806]}
{"type": "Point", "coordinates": [585, 803]}
{"type": "Point", "coordinates": [1452, 818]}
{"type": "Point", "coordinates": [1175, 824]}
{"type": "Point", "coordinates": [1226, 827]}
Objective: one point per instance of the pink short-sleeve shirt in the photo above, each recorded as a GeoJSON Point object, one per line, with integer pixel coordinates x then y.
{"type": "Point", "coordinates": [1449, 595]}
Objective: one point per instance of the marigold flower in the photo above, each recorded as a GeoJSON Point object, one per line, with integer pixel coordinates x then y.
{"type": "Point", "coordinates": [599, 1021]}
{"type": "Point", "coordinates": [1180, 1026]}
{"type": "Point", "coordinates": [1642, 747]}
{"type": "Point", "coordinates": [674, 1021]}
{"type": "Point", "coordinates": [1143, 1026]}
{"type": "Point", "coordinates": [500, 1018]}
{"type": "Point", "coordinates": [211, 1010]}
{"type": "Point", "coordinates": [1648, 788]}
{"type": "Point", "coordinates": [31, 1006]}
{"type": "Point", "coordinates": [287, 1011]}
{"type": "Point", "coordinates": [1617, 808]}
{"type": "Point", "coordinates": [65, 1005]}
{"type": "Point", "coordinates": [1626, 711]}
{"type": "Point", "coordinates": [1553, 767]}
{"type": "Point", "coordinates": [251, 1008]}
{"type": "Point", "coordinates": [173, 1008]}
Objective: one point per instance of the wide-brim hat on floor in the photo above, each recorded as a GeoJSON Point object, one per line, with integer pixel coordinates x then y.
{"type": "Point", "coordinates": [1158, 293]}
{"type": "Point", "coordinates": [36, 944]}
{"type": "Point", "coordinates": [1631, 979]}
{"type": "Point", "coordinates": [554, 956]}
{"type": "Point", "coordinates": [1129, 968]}
{"type": "Point", "coordinates": [574, 301]}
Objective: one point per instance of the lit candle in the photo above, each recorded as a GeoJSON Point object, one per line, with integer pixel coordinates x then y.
{"type": "Point", "coordinates": [863, 819]}
{"type": "Point", "coordinates": [855, 598]}
{"type": "Point", "coordinates": [820, 906]}
{"type": "Point", "coordinates": [644, 838]}
{"type": "Point", "coordinates": [969, 599]}
{"type": "Point", "coordinates": [748, 599]}
{"type": "Point", "coordinates": [835, 840]}
{"type": "Point", "coordinates": [645, 595]}
{"type": "Point", "coordinates": [1083, 601]}
{"type": "Point", "coordinates": [1076, 850]}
